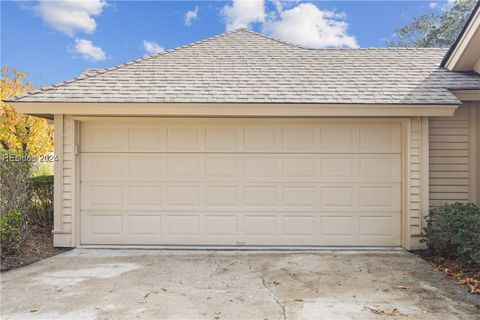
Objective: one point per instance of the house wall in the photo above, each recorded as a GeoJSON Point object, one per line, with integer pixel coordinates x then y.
{"type": "Point", "coordinates": [477, 150]}
{"type": "Point", "coordinates": [454, 160]}
{"type": "Point", "coordinates": [417, 184]}
{"type": "Point", "coordinates": [63, 181]}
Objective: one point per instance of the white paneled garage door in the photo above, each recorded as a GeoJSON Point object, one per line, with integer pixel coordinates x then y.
{"type": "Point", "coordinates": [240, 182]}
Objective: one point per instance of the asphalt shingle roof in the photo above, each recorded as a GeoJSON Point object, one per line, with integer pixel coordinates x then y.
{"type": "Point", "coordinates": [246, 67]}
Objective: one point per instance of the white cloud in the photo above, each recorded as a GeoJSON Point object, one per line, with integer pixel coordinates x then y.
{"type": "Point", "coordinates": [242, 13]}
{"type": "Point", "coordinates": [309, 26]}
{"type": "Point", "coordinates": [190, 16]}
{"type": "Point", "coordinates": [88, 51]}
{"type": "Point", "coordinates": [433, 5]}
{"type": "Point", "coordinates": [151, 47]}
{"type": "Point", "coordinates": [70, 16]}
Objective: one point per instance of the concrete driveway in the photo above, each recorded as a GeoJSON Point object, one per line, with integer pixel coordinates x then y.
{"type": "Point", "coordinates": [159, 284]}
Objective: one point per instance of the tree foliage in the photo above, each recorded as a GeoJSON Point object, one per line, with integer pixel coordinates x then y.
{"type": "Point", "coordinates": [19, 132]}
{"type": "Point", "coordinates": [435, 29]}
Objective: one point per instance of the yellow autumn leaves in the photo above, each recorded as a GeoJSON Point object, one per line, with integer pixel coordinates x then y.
{"type": "Point", "coordinates": [19, 132]}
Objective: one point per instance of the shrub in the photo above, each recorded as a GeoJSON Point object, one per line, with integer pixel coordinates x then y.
{"type": "Point", "coordinates": [453, 231]}
{"type": "Point", "coordinates": [15, 170]}
{"type": "Point", "coordinates": [42, 202]}
{"type": "Point", "coordinates": [13, 231]}
{"type": "Point", "coordinates": [42, 169]}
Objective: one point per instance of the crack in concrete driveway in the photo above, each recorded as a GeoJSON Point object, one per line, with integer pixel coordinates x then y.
{"type": "Point", "coordinates": [270, 292]}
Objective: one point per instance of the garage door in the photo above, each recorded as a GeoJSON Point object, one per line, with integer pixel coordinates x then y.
{"type": "Point", "coordinates": [240, 182]}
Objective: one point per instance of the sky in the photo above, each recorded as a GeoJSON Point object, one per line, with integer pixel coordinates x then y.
{"type": "Point", "coordinates": [53, 41]}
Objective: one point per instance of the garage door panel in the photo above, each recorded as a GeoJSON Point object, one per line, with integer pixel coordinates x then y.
{"type": "Point", "coordinates": [222, 167]}
{"type": "Point", "coordinates": [223, 197]}
{"type": "Point", "coordinates": [143, 225]}
{"type": "Point", "coordinates": [222, 138]}
{"type": "Point", "coordinates": [380, 167]}
{"type": "Point", "coordinates": [376, 226]}
{"type": "Point", "coordinates": [101, 196]}
{"type": "Point", "coordinates": [182, 197]}
{"type": "Point", "coordinates": [299, 167]}
{"type": "Point", "coordinates": [183, 166]}
{"type": "Point", "coordinates": [141, 138]}
{"type": "Point", "coordinates": [299, 197]}
{"type": "Point", "coordinates": [103, 138]}
{"type": "Point", "coordinates": [212, 136]}
{"type": "Point", "coordinates": [101, 166]}
{"type": "Point", "coordinates": [255, 197]}
{"type": "Point", "coordinates": [300, 139]}
{"type": "Point", "coordinates": [260, 167]}
{"type": "Point", "coordinates": [338, 167]}
{"type": "Point", "coordinates": [182, 225]}
{"type": "Point", "coordinates": [216, 226]}
{"type": "Point", "coordinates": [266, 196]}
{"type": "Point", "coordinates": [187, 138]}
{"type": "Point", "coordinates": [143, 196]}
{"type": "Point", "coordinates": [233, 228]}
{"type": "Point", "coordinates": [299, 226]}
{"type": "Point", "coordinates": [142, 167]}
{"type": "Point", "coordinates": [259, 226]}
{"type": "Point", "coordinates": [339, 197]}
{"type": "Point", "coordinates": [260, 138]}
{"type": "Point", "coordinates": [106, 224]}
{"type": "Point", "coordinates": [386, 138]}
{"type": "Point", "coordinates": [235, 182]}
{"type": "Point", "coordinates": [337, 138]}
{"type": "Point", "coordinates": [385, 197]}
{"type": "Point", "coordinates": [337, 226]}
{"type": "Point", "coordinates": [178, 167]}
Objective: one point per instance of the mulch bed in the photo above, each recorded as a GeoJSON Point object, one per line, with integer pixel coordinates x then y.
{"type": "Point", "coordinates": [463, 273]}
{"type": "Point", "coordinates": [39, 246]}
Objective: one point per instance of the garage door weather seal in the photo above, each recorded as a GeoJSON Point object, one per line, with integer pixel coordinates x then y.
{"type": "Point", "coordinates": [243, 248]}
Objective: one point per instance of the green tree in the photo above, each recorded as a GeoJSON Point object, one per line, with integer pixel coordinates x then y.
{"type": "Point", "coordinates": [435, 29]}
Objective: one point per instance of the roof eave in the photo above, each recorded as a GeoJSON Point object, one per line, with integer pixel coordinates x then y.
{"type": "Point", "coordinates": [238, 109]}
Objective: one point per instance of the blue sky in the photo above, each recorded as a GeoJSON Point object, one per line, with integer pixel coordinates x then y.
{"type": "Point", "coordinates": [54, 41]}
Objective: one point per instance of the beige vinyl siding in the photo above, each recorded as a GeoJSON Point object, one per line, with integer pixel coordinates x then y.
{"type": "Point", "coordinates": [67, 173]}
{"type": "Point", "coordinates": [418, 155]}
{"type": "Point", "coordinates": [450, 157]}
{"type": "Point", "coordinates": [476, 152]}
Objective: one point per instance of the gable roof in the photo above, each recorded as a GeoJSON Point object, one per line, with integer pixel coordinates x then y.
{"type": "Point", "coordinates": [243, 66]}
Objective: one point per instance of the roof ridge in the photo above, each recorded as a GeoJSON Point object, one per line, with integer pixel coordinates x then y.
{"type": "Point", "coordinates": [273, 39]}
{"type": "Point", "coordinates": [333, 48]}
{"type": "Point", "coordinates": [119, 66]}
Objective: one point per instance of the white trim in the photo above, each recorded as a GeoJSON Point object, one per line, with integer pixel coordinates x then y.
{"type": "Point", "coordinates": [424, 170]}
{"type": "Point", "coordinates": [236, 110]}
{"type": "Point", "coordinates": [466, 46]}
{"type": "Point", "coordinates": [406, 192]}
{"type": "Point", "coordinates": [58, 174]}
{"type": "Point", "coordinates": [75, 183]}
{"type": "Point", "coordinates": [473, 157]}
